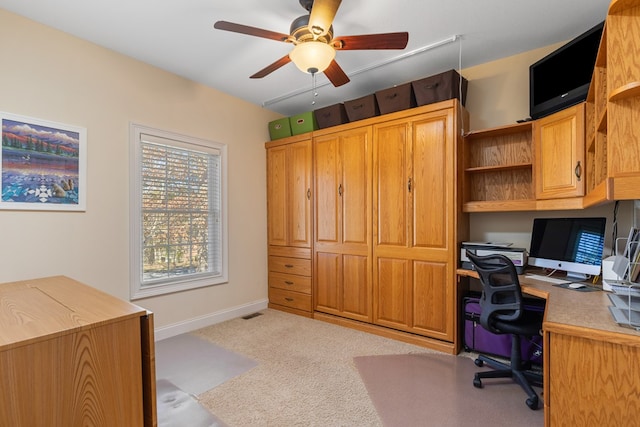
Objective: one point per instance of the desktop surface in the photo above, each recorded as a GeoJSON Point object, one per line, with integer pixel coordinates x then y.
{"type": "Point", "coordinates": [562, 281]}
{"type": "Point", "coordinates": [586, 314]}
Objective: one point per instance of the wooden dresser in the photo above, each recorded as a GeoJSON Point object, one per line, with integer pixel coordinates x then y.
{"type": "Point", "coordinates": [71, 355]}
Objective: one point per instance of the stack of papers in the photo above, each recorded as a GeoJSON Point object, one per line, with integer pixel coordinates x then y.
{"type": "Point", "coordinates": [626, 306]}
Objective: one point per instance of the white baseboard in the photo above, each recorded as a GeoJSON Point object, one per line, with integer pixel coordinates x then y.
{"type": "Point", "coordinates": [208, 320]}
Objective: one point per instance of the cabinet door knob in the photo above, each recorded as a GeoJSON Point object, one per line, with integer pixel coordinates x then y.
{"type": "Point", "coordinates": [288, 265]}
{"type": "Point", "coordinates": [340, 189]}
{"type": "Point", "coordinates": [578, 170]}
{"type": "Point", "coordinates": [308, 194]}
{"type": "Point", "coordinates": [289, 299]}
{"type": "Point", "coordinates": [288, 282]}
{"type": "Point", "coordinates": [409, 185]}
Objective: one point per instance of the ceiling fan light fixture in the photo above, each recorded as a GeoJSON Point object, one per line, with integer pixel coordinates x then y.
{"type": "Point", "coordinates": [312, 56]}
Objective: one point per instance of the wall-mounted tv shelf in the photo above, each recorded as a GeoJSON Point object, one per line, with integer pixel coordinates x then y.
{"type": "Point", "coordinates": [500, 163]}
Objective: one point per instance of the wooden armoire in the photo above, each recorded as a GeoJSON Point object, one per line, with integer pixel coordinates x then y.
{"type": "Point", "coordinates": [386, 223]}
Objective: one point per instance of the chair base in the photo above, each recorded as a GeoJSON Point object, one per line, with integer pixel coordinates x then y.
{"type": "Point", "coordinates": [519, 374]}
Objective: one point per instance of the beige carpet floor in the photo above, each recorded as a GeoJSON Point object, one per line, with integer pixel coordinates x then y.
{"type": "Point", "coordinates": [306, 375]}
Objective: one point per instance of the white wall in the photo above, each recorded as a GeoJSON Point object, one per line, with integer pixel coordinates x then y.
{"type": "Point", "coordinates": [50, 75]}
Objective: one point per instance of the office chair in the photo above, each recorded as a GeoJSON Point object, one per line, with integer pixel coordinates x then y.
{"type": "Point", "coordinates": [503, 313]}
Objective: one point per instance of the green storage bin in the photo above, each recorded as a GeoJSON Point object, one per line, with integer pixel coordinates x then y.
{"type": "Point", "coordinates": [279, 128]}
{"type": "Point", "coordinates": [303, 123]}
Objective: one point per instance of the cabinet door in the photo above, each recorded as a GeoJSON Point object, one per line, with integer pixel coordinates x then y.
{"type": "Point", "coordinates": [342, 244]}
{"type": "Point", "coordinates": [392, 293]}
{"type": "Point", "coordinates": [433, 219]}
{"type": "Point", "coordinates": [299, 221]}
{"type": "Point", "coordinates": [277, 189]}
{"type": "Point", "coordinates": [328, 188]}
{"type": "Point", "coordinates": [414, 217]}
{"type": "Point", "coordinates": [289, 194]}
{"type": "Point", "coordinates": [392, 153]}
{"type": "Point", "coordinates": [591, 382]}
{"type": "Point", "coordinates": [559, 160]}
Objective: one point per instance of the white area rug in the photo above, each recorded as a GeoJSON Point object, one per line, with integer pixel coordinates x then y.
{"type": "Point", "coordinates": [179, 409]}
{"type": "Point", "coordinates": [196, 365]}
{"type": "Point", "coordinates": [437, 390]}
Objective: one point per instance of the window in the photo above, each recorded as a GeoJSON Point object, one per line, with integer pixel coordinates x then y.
{"type": "Point", "coordinates": [178, 212]}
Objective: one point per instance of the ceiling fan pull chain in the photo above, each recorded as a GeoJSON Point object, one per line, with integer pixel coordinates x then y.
{"type": "Point", "coordinates": [313, 89]}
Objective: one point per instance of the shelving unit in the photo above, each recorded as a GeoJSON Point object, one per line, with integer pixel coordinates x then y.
{"type": "Point", "coordinates": [613, 108]}
{"type": "Point", "coordinates": [498, 170]}
{"type": "Point", "coordinates": [596, 129]}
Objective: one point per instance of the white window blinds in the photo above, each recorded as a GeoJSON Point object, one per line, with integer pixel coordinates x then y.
{"type": "Point", "coordinates": [180, 207]}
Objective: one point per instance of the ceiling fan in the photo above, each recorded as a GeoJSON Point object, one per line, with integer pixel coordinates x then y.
{"type": "Point", "coordinates": [314, 45]}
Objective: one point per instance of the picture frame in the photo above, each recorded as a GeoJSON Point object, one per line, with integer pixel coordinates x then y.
{"type": "Point", "coordinates": [43, 165]}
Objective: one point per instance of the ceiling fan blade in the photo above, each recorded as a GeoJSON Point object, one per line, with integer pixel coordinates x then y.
{"type": "Point", "coordinates": [336, 75]}
{"type": "Point", "coordinates": [372, 41]}
{"type": "Point", "coordinates": [271, 68]}
{"type": "Point", "coordinates": [322, 14]}
{"type": "Point", "coordinates": [251, 31]}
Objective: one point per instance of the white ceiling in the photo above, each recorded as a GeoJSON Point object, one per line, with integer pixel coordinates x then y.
{"type": "Point", "coordinates": [178, 36]}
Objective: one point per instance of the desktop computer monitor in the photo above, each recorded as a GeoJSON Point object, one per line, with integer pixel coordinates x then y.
{"type": "Point", "coordinates": [573, 245]}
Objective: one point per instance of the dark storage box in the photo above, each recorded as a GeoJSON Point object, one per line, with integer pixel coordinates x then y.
{"type": "Point", "coordinates": [395, 98]}
{"type": "Point", "coordinates": [332, 115]}
{"type": "Point", "coordinates": [478, 339]}
{"type": "Point", "coordinates": [362, 108]}
{"type": "Point", "coordinates": [443, 86]}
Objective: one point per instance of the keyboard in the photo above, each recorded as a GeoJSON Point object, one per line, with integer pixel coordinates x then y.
{"type": "Point", "coordinates": [553, 280]}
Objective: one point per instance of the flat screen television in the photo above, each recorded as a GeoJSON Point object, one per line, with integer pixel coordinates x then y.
{"type": "Point", "coordinates": [573, 245]}
{"type": "Point", "coordinates": [562, 78]}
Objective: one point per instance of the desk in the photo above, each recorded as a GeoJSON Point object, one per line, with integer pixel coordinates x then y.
{"type": "Point", "coordinates": [71, 355]}
{"type": "Point", "coordinates": [591, 364]}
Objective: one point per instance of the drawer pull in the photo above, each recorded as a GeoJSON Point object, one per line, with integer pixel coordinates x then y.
{"type": "Point", "coordinates": [289, 265]}
{"type": "Point", "coordinates": [288, 282]}
{"type": "Point", "coordinates": [289, 299]}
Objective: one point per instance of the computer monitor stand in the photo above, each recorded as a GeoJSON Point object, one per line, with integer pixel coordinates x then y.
{"type": "Point", "coordinates": [576, 277]}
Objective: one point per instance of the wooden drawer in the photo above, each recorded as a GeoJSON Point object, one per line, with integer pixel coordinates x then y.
{"type": "Point", "coordinates": [290, 251]}
{"type": "Point", "coordinates": [290, 299]}
{"type": "Point", "coordinates": [299, 266]}
{"type": "Point", "coordinates": [290, 282]}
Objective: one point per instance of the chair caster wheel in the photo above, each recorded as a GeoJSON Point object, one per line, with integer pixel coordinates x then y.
{"type": "Point", "coordinates": [532, 402]}
{"type": "Point", "coordinates": [477, 383]}
{"type": "Point", "coordinates": [478, 362]}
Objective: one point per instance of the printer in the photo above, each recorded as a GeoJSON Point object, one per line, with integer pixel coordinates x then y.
{"type": "Point", "coordinates": [517, 255]}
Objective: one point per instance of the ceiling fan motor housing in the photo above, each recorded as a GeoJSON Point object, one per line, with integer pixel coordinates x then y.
{"type": "Point", "coordinates": [299, 30]}
{"type": "Point", "coordinates": [307, 4]}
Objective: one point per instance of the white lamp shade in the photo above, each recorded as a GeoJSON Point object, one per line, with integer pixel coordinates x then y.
{"type": "Point", "coordinates": [312, 56]}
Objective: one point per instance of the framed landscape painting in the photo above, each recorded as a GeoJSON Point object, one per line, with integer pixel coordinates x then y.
{"type": "Point", "coordinates": [43, 164]}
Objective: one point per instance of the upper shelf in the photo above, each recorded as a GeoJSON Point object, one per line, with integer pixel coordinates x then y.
{"type": "Point", "coordinates": [500, 167]}
{"type": "Point", "coordinates": [501, 130]}
{"type": "Point", "coordinates": [627, 91]}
